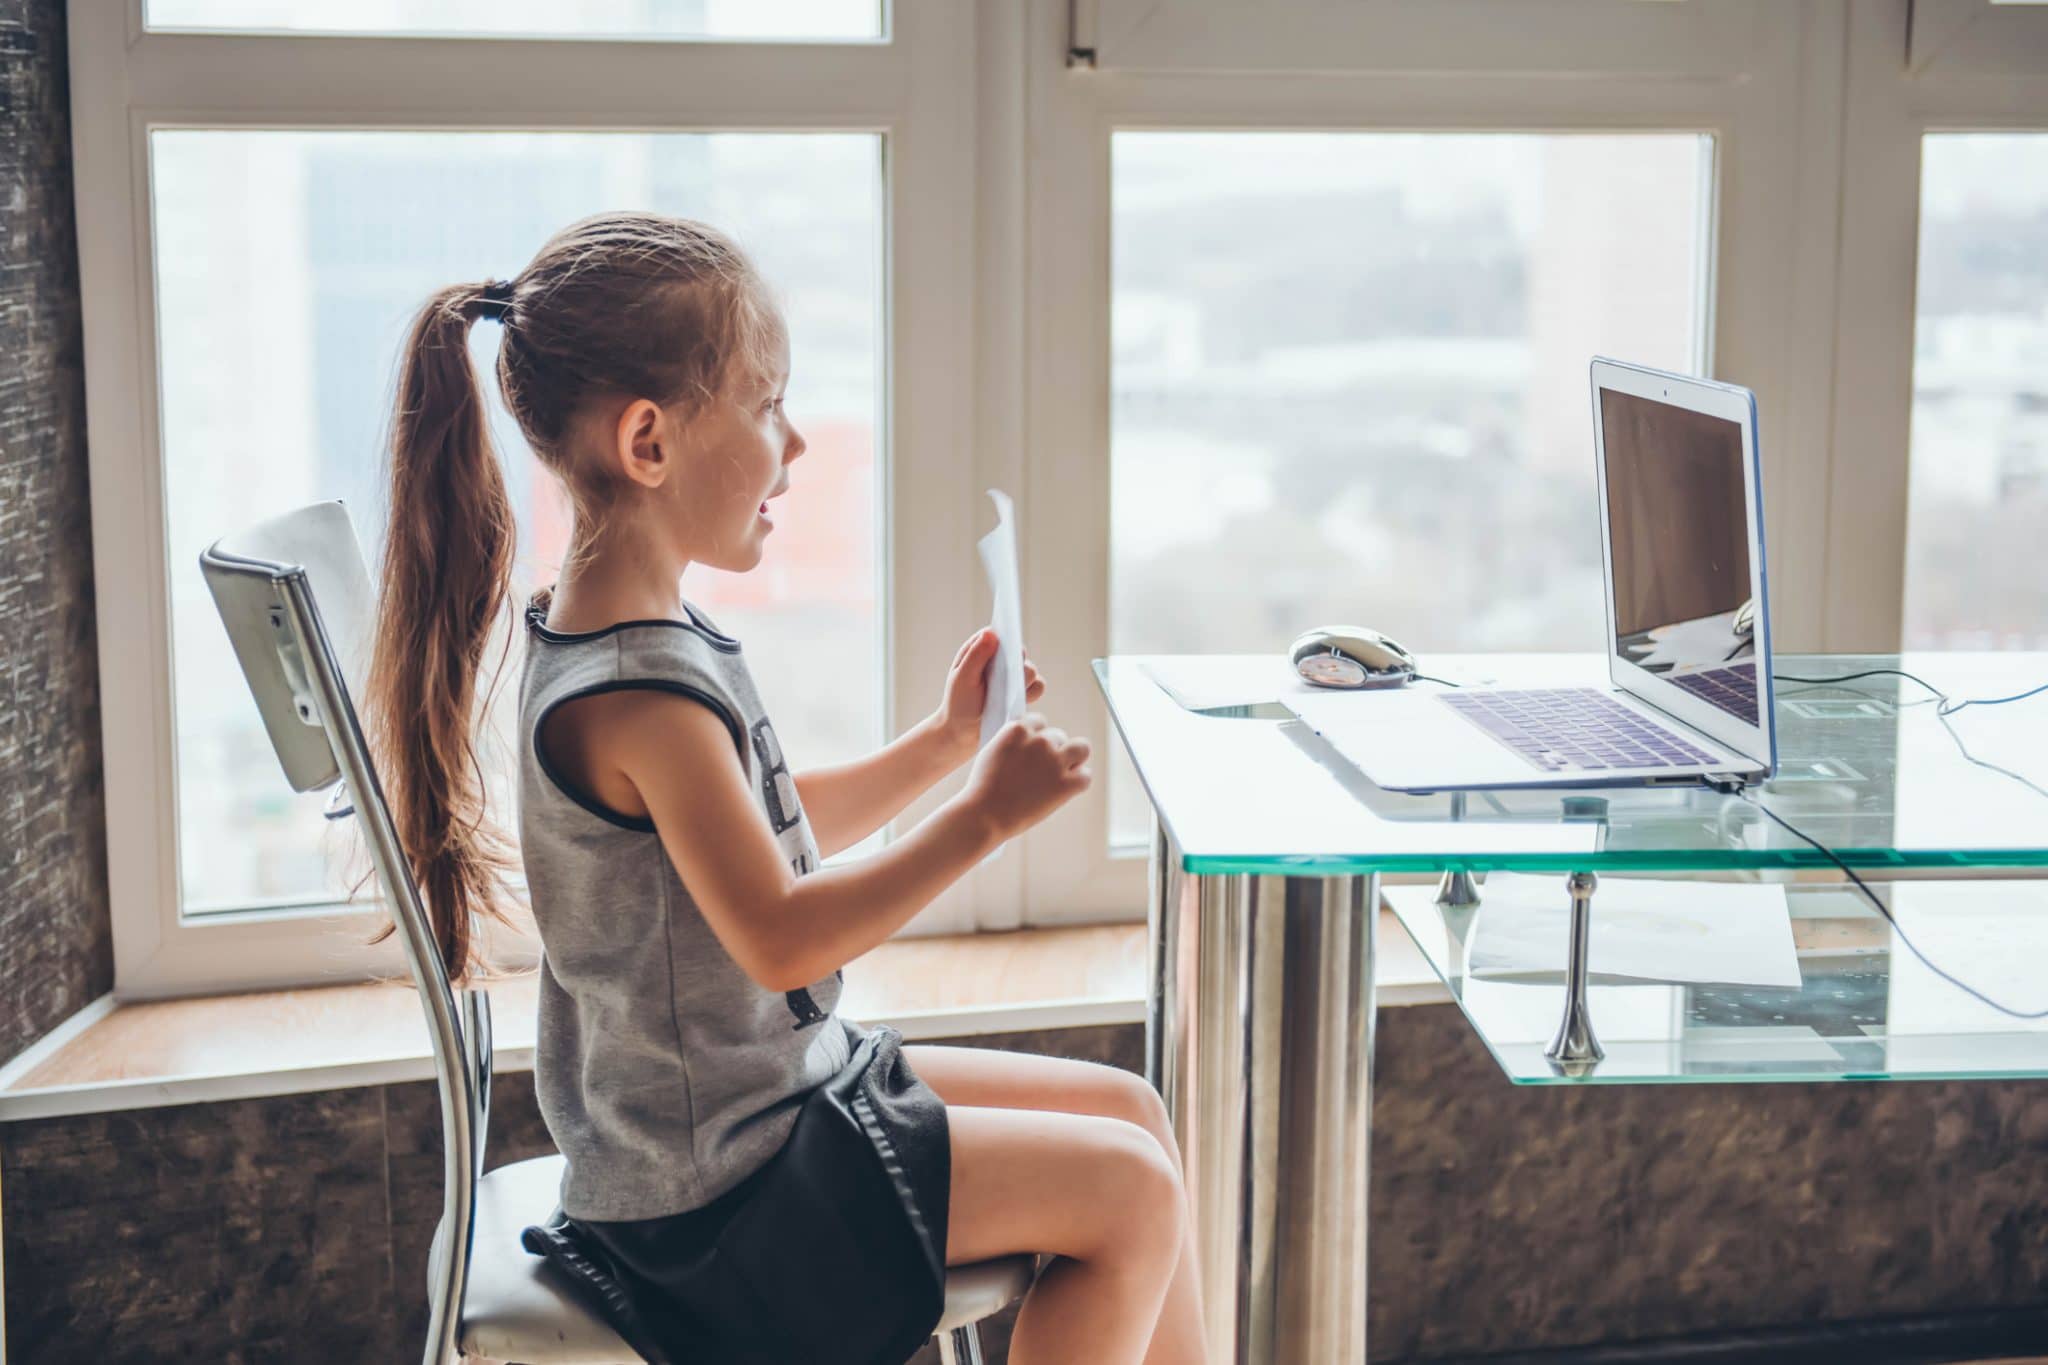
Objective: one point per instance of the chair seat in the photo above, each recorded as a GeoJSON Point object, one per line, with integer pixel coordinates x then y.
{"type": "Point", "coordinates": [973, 1292]}
{"type": "Point", "coordinates": [516, 1309]}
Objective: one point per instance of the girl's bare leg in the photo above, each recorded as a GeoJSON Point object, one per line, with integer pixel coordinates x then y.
{"type": "Point", "coordinates": [985, 1078]}
{"type": "Point", "coordinates": [1096, 1193]}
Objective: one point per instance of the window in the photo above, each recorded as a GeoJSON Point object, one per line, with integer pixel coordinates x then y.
{"type": "Point", "coordinates": [1979, 490]}
{"type": "Point", "coordinates": [801, 19]}
{"type": "Point", "coordinates": [1340, 357]}
{"type": "Point", "coordinates": [289, 265]}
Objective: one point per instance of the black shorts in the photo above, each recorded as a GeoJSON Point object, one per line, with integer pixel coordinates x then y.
{"type": "Point", "coordinates": [834, 1251]}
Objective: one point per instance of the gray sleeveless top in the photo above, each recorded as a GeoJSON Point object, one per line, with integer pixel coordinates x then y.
{"type": "Point", "coordinates": [665, 1073]}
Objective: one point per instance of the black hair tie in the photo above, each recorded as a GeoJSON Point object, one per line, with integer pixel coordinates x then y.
{"type": "Point", "coordinates": [496, 300]}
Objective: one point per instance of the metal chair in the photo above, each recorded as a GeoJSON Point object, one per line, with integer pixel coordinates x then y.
{"type": "Point", "coordinates": [487, 1296]}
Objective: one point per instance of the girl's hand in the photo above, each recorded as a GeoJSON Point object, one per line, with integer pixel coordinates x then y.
{"type": "Point", "coordinates": [958, 719]}
{"type": "Point", "coordinates": [1028, 771]}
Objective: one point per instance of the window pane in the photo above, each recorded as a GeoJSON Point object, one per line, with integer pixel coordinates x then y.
{"type": "Point", "coordinates": [1349, 381]}
{"type": "Point", "coordinates": [288, 265]}
{"type": "Point", "coordinates": [1979, 484]}
{"type": "Point", "coordinates": [789, 19]}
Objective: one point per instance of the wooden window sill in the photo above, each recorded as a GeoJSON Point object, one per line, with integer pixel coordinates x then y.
{"type": "Point", "coordinates": [141, 1055]}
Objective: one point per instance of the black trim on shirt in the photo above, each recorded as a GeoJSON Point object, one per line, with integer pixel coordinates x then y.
{"type": "Point", "coordinates": [536, 621]}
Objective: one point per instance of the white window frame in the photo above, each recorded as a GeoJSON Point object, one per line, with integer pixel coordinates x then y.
{"type": "Point", "coordinates": [1932, 66]}
{"type": "Point", "coordinates": [912, 86]}
{"type": "Point", "coordinates": [1812, 268]}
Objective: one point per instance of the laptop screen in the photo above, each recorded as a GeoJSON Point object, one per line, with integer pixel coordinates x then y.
{"type": "Point", "coordinates": [1680, 548]}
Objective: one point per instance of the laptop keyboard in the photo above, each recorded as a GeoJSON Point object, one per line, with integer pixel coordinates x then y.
{"type": "Point", "coordinates": [1733, 689]}
{"type": "Point", "coordinates": [1568, 729]}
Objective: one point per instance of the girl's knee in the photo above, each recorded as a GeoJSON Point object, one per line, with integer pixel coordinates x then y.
{"type": "Point", "coordinates": [1150, 1208]}
{"type": "Point", "coordinates": [1140, 1104]}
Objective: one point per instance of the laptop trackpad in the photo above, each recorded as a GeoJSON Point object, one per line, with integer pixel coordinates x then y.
{"type": "Point", "coordinates": [1408, 741]}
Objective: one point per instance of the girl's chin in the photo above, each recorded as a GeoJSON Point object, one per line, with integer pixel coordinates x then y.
{"type": "Point", "coordinates": [738, 558]}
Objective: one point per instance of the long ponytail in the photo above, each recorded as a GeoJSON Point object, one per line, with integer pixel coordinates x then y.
{"type": "Point", "coordinates": [446, 573]}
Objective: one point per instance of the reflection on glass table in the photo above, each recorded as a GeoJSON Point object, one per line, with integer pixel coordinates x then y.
{"type": "Point", "coordinates": [1867, 1008]}
{"type": "Point", "coordinates": [1869, 768]}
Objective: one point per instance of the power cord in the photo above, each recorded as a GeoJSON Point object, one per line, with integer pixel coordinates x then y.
{"type": "Point", "coordinates": [1949, 706]}
{"type": "Point", "coordinates": [1944, 707]}
{"type": "Point", "coordinates": [1735, 789]}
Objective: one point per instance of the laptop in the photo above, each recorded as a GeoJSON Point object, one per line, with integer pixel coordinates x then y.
{"type": "Point", "coordinates": [1688, 625]}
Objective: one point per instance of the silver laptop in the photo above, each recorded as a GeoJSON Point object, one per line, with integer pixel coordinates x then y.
{"type": "Point", "coordinates": [1688, 625]}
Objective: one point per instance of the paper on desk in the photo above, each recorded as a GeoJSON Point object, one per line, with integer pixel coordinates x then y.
{"type": "Point", "coordinates": [1207, 682]}
{"type": "Point", "coordinates": [1725, 933]}
{"type": "Point", "coordinates": [1005, 700]}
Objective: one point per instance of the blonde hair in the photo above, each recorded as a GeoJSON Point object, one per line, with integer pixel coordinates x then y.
{"type": "Point", "coordinates": [616, 306]}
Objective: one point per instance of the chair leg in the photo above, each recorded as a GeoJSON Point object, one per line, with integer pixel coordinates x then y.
{"type": "Point", "coordinates": [961, 1346]}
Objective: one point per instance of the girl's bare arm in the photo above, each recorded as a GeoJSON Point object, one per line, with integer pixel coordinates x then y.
{"type": "Point", "coordinates": [785, 930]}
{"type": "Point", "coordinates": [847, 802]}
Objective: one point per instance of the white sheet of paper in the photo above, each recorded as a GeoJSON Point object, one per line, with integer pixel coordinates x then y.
{"type": "Point", "coordinates": [1724, 933]}
{"type": "Point", "coordinates": [1206, 682]}
{"type": "Point", "coordinates": [1005, 700]}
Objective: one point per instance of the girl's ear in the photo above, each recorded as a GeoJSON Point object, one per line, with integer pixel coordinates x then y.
{"type": "Point", "coordinates": [638, 443]}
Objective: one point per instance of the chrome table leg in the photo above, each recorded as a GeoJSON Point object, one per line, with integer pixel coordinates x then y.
{"type": "Point", "coordinates": [1574, 1050]}
{"type": "Point", "coordinates": [1457, 891]}
{"type": "Point", "coordinates": [1261, 1027]}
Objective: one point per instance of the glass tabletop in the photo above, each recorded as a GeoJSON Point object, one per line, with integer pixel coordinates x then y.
{"type": "Point", "coordinates": [1866, 1007]}
{"type": "Point", "coordinates": [1867, 767]}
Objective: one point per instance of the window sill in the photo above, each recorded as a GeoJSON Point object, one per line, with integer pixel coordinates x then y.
{"type": "Point", "coordinates": [150, 1053]}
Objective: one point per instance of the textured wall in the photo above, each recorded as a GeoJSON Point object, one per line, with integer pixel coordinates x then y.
{"type": "Point", "coordinates": [292, 1229]}
{"type": "Point", "coordinates": [1715, 1222]}
{"type": "Point", "coordinates": [56, 948]}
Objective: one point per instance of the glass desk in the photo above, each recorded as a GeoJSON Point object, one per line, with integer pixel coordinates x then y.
{"type": "Point", "coordinates": [1267, 856]}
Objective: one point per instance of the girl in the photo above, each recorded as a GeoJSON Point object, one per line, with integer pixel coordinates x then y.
{"type": "Point", "coordinates": [750, 1176]}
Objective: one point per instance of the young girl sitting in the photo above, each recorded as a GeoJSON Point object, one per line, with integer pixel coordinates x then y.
{"type": "Point", "coordinates": [750, 1176]}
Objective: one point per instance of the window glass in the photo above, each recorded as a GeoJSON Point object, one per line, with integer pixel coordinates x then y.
{"type": "Point", "coordinates": [1979, 483]}
{"type": "Point", "coordinates": [288, 266]}
{"type": "Point", "coordinates": [797, 19]}
{"type": "Point", "coordinates": [1349, 381]}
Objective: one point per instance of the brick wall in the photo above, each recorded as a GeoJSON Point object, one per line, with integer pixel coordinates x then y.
{"type": "Point", "coordinates": [56, 945]}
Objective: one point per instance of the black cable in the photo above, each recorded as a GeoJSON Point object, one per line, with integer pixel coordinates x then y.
{"type": "Point", "coordinates": [1424, 677]}
{"type": "Point", "coordinates": [1945, 706]}
{"type": "Point", "coordinates": [1866, 673]}
{"type": "Point", "coordinates": [1733, 789]}
{"type": "Point", "coordinates": [1949, 706]}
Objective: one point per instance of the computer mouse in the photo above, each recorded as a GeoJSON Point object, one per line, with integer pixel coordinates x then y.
{"type": "Point", "coordinates": [1744, 622]}
{"type": "Point", "coordinates": [1351, 657]}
